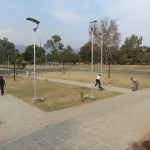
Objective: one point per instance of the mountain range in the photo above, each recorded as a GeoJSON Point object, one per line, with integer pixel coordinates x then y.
{"type": "Point", "coordinates": [21, 48]}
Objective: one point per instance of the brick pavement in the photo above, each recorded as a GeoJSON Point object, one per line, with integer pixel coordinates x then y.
{"type": "Point", "coordinates": [110, 124]}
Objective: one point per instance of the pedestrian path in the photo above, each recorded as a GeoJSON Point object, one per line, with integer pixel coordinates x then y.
{"type": "Point", "coordinates": [111, 124]}
{"type": "Point", "coordinates": [83, 84]}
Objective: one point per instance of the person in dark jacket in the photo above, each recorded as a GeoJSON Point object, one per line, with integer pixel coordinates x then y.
{"type": "Point", "coordinates": [2, 84]}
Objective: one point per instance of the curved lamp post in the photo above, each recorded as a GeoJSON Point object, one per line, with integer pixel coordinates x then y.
{"type": "Point", "coordinates": [34, 30]}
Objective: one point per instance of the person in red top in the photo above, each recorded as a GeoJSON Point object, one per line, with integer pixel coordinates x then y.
{"type": "Point", "coordinates": [135, 84]}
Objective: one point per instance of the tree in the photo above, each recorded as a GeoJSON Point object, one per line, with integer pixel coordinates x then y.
{"type": "Point", "coordinates": [146, 54]}
{"type": "Point", "coordinates": [29, 54]}
{"type": "Point", "coordinates": [7, 49]}
{"type": "Point", "coordinates": [146, 58]}
{"type": "Point", "coordinates": [75, 58]}
{"type": "Point", "coordinates": [55, 46]}
{"type": "Point", "coordinates": [68, 54]}
{"type": "Point", "coordinates": [85, 53]}
{"type": "Point", "coordinates": [54, 43]}
{"type": "Point", "coordinates": [106, 31]}
{"type": "Point", "coordinates": [106, 35]}
{"type": "Point", "coordinates": [132, 42]}
{"type": "Point", "coordinates": [145, 48]}
{"type": "Point", "coordinates": [59, 53]}
{"type": "Point", "coordinates": [132, 47]}
{"type": "Point", "coordinates": [18, 58]}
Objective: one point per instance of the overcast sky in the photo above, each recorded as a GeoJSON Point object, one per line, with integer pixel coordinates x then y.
{"type": "Point", "coordinates": [69, 19]}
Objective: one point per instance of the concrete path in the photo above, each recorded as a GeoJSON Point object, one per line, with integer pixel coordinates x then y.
{"type": "Point", "coordinates": [83, 84]}
{"type": "Point", "coordinates": [111, 124]}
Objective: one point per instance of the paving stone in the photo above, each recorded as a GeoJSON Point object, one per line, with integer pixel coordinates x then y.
{"type": "Point", "coordinates": [57, 143]}
{"type": "Point", "coordinates": [43, 143]}
{"type": "Point", "coordinates": [102, 125]}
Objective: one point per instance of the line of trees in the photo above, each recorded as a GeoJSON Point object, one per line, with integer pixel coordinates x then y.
{"type": "Point", "coordinates": [58, 54]}
{"type": "Point", "coordinates": [106, 36]}
{"type": "Point", "coordinates": [8, 53]}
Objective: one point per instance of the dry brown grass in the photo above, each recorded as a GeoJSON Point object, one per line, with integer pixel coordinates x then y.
{"type": "Point", "coordinates": [118, 80]}
{"type": "Point", "coordinates": [117, 67]}
{"type": "Point", "coordinates": [57, 96]}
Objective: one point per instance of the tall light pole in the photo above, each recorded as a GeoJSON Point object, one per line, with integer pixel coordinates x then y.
{"type": "Point", "coordinates": [109, 58]}
{"type": "Point", "coordinates": [34, 30]}
{"type": "Point", "coordinates": [102, 52]}
{"type": "Point", "coordinates": [8, 61]}
{"type": "Point", "coordinates": [62, 51]}
{"type": "Point", "coordinates": [106, 60]}
{"type": "Point", "coordinates": [15, 65]}
{"type": "Point", "coordinates": [46, 61]}
{"type": "Point", "coordinates": [92, 22]}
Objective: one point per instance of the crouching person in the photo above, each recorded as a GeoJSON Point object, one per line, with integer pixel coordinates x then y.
{"type": "Point", "coordinates": [135, 84]}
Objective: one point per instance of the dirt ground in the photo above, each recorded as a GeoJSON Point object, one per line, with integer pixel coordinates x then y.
{"type": "Point", "coordinates": [143, 144]}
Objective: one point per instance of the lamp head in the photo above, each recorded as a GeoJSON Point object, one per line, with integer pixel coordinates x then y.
{"type": "Point", "coordinates": [93, 21]}
{"type": "Point", "coordinates": [33, 20]}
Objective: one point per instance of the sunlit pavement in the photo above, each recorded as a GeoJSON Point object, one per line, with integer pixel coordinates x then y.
{"type": "Point", "coordinates": [111, 124]}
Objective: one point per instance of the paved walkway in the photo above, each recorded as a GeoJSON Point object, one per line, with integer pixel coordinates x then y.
{"type": "Point", "coordinates": [111, 124]}
{"type": "Point", "coordinates": [115, 89]}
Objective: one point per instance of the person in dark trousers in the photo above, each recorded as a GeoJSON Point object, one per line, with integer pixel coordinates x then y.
{"type": "Point", "coordinates": [135, 84]}
{"type": "Point", "coordinates": [98, 81]}
{"type": "Point", "coordinates": [2, 83]}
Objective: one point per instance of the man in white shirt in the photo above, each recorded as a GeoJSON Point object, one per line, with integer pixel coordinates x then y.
{"type": "Point", "coordinates": [98, 81]}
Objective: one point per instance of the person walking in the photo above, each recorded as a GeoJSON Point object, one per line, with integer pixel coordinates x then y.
{"type": "Point", "coordinates": [28, 74]}
{"type": "Point", "coordinates": [135, 84]}
{"type": "Point", "coordinates": [98, 81]}
{"type": "Point", "coordinates": [2, 83]}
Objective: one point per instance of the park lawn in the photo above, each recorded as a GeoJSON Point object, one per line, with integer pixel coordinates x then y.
{"type": "Point", "coordinates": [57, 96]}
{"type": "Point", "coordinates": [145, 68]}
{"type": "Point", "coordinates": [116, 67]}
{"type": "Point", "coordinates": [117, 80]}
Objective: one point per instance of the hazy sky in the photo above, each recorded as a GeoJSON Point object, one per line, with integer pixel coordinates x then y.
{"type": "Point", "coordinates": [69, 19]}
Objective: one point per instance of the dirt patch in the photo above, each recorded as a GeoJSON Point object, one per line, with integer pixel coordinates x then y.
{"type": "Point", "coordinates": [143, 144]}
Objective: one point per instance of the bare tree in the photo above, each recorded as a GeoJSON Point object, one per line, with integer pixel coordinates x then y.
{"type": "Point", "coordinates": [106, 35]}
{"type": "Point", "coordinates": [106, 31]}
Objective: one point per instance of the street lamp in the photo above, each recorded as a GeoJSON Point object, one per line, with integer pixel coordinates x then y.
{"type": "Point", "coordinates": [63, 60]}
{"type": "Point", "coordinates": [106, 53]}
{"type": "Point", "coordinates": [34, 30]}
{"type": "Point", "coordinates": [102, 52]}
{"type": "Point", "coordinates": [8, 60]}
{"type": "Point", "coordinates": [15, 65]}
{"type": "Point", "coordinates": [109, 58]}
{"type": "Point", "coordinates": [46, 61]}
{"type": "Point", "coordinates": [92, 22]}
